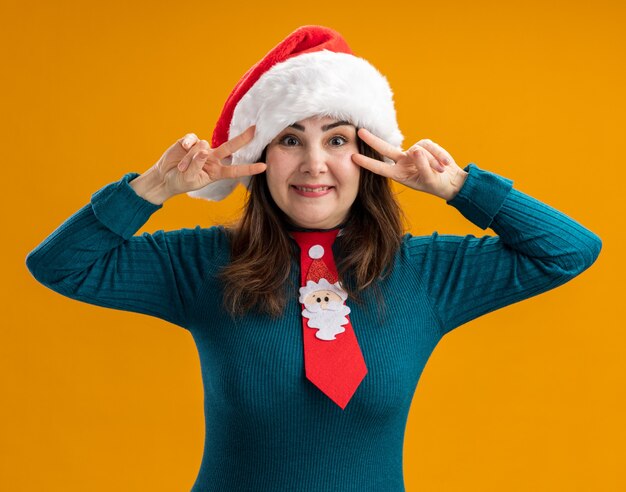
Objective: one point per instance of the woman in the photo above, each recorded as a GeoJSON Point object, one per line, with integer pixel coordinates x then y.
{"type": "Point", "coordinates": [293, 401]}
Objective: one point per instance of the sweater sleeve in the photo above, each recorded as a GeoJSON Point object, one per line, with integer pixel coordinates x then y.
{"type": "Point", "coordinates": [537, 248]}
{"type": "Point", "coordinates": [94, 257]}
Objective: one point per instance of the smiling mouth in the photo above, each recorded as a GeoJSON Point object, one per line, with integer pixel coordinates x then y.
{"type": "Point", "coordinates": [318, 189]}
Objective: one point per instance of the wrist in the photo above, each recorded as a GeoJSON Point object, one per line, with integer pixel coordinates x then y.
{"type": "Point", "coordinates": [456, 184]}
{"type": "Point", "coordinates": [151, 187]}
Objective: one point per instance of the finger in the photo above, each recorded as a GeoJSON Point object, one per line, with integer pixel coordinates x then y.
{"type": "Point", "coordinates": [437, 150]}
{"type": "Point", "coordinates": [188, 140]}
{"type": "Point", "coordinates": [193, 162]}
{"type": "Point", "coordinates": [234, 144]}
{"type": "Point", "coordinates": [378, 144]}
{"type": "Point", "coordinates": [424, 162]}
{"type": "Point", "coordinates": [200, 145]}
{"type": "Point", "coordinates": [373, 165]}
{"type": "Point", "coordinates": [417, 151]}
{"type": "Point", "coordinates": [240, 170]}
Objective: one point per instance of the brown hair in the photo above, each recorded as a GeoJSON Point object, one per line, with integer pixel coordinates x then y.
{"type": "Point", "coordinates": [258, 273]}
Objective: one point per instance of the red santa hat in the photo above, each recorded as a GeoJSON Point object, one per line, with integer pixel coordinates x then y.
{"type": "Point", "coordinates": [320, 277]}
{"type": "Point", "coordinates": [312, 72]}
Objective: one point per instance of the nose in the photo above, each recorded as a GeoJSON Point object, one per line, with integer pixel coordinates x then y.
{"type": "Point", "coordinates": [314, 161]}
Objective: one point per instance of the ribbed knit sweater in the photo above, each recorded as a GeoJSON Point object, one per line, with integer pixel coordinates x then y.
{"type": "Point", "coordinates": [267, 427]}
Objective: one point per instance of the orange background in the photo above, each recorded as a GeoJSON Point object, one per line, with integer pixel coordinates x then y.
{"type": "Point", "coordinates": [531, 397]}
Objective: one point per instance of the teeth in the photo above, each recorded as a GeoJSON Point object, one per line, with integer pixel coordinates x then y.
{"type": "Point", "coordinates": [301, 188]}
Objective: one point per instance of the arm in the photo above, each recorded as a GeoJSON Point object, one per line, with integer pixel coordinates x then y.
{"type": "Point", "coordinates": [537, 249]}
{"type": "Point", "coordinates": [94, 257]}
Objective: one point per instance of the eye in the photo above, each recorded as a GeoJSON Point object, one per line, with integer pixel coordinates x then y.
{"type": "Point", "coordinates": [288, 140]}
{"type": "Point", "coordinates": [318, 299]}
{"type": "Point", "coordinates": [326, 298]}
{"type": "Point", "coordinates": [338, 140]}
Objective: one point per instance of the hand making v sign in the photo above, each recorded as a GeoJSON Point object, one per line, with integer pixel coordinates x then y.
{"type": "Point", "coordinates": [190, 164]}
{"type": "Point", "coordinates": [425, 166]}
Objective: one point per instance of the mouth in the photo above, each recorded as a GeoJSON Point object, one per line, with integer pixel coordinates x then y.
{"type": "Point", "coordinates": [312, 191]}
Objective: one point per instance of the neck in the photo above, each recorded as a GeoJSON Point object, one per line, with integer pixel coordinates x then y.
{"type": "Point", "coordinates": [307, 229]}
{"type": "Point", "coordinates": [292, 227]}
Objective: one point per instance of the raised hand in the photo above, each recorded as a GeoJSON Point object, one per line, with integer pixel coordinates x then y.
{"type": "Point", "coordinates": [190, 170]}
{"type": "Point", "coordinates": [425, 166]}
{"type": "Point", "coordinates": [190, 164]}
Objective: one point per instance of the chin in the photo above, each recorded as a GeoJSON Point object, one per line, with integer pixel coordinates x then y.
{"type": "Point", "coordinates": [320, 224]}
{"type": "Point", "coordinates": [313, 218]}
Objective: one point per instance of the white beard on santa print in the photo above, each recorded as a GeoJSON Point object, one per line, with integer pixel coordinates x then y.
{"type": "Point", "coordinates": [328, 319]}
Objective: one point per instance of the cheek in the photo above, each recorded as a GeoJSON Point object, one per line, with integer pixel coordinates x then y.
{"type": "Point", "coordinates": [350, 175]}
{"type": "Point", "coordinates": [349, 167]}
{"type": "Point", "coordinates": [278, 169]}
{"type": "Point", "coordinates": [274, 176]}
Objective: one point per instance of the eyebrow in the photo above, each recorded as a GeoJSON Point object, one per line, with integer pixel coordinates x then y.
{"type": "Point", "coordinates": [325, 128]}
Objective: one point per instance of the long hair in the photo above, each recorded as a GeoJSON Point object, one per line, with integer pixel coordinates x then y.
{"type": "Point", "coordinates": [261, 248]}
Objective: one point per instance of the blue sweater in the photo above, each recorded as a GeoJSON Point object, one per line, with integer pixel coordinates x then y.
{"type": "Point", "coordinates": [267, 427]}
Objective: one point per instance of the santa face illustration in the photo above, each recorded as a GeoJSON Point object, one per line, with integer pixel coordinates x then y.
{"type": "Point", "coordinates": [322, 298]}
{"type": "Point", "coordinates": [324, 308]}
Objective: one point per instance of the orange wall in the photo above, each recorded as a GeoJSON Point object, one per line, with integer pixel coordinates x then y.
{"type": "Point", "coordinates": [530, 397]}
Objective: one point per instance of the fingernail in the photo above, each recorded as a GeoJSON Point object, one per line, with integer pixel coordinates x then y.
{"type": "Point", "coordinates": [187, 143]}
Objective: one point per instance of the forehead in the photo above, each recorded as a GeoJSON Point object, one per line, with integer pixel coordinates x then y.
{"type": "Point", "coordinates": [318, 120]}
{"type": "Point", "coordinates": [322, 123]}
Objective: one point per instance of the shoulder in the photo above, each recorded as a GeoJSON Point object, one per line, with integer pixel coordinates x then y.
{"type": "Point", "coordinates": [410, 243]}
{"type": "Point", "coordinates": [216, 233]}
{"type": "Point", "coordinates": [412, 247]}
{"type": "Point", "coordinates": [207, 240]}
{"type": "Point", "coordinates": [438, 249]}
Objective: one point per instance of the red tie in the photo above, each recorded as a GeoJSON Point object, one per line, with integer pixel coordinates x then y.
{"type": "Point", "coordinates": [332, 358]}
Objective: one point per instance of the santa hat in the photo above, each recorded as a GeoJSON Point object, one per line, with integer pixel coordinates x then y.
{"type": "Point", "coordinates": [312, 72]}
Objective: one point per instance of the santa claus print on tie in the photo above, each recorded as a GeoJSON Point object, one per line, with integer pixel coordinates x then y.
{"type": "Point", "coordinates": [324, 306]}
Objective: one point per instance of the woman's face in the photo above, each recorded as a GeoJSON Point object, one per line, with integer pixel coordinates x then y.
{"type": "Point", "coordinates": [310, 173]}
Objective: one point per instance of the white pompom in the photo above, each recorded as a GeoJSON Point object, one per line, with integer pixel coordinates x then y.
{"type": "Point", "coordinates": [316, 251]}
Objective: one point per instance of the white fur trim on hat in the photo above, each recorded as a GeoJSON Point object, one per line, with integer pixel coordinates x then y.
{"type": "Point", "coordinates": [321, 83]}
